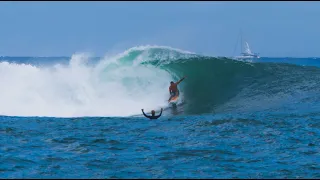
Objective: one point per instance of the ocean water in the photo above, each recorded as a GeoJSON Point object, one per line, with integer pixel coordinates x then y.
{"type": "Point", "coordinates": [80, 116]}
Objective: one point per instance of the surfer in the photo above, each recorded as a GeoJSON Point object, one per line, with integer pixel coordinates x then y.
{"type": "Point", "coordinates": [153, 114]}
{"type": "Point", "coordinates": [173, 89]}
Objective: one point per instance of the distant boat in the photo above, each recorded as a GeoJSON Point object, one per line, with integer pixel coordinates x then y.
{"type": "Point", "coordinates": [246, 52]}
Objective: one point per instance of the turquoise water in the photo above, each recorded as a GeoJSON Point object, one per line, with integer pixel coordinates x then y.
{"type": "Point", "coordinates": [244, 120]}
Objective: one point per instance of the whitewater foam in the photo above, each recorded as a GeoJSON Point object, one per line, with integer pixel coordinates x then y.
{"type": "Point", "coordinates": [108, 88]}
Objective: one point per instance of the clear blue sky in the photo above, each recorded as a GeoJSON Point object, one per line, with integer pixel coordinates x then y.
{"type": "Point", "coordinates": [277, 29]}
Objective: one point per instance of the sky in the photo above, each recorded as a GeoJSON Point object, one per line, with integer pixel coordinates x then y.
{"type": "Point", "coordinates": [273, 29]}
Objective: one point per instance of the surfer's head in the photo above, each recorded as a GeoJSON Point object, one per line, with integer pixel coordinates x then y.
{"type": "Point", "coordinates": [153, 112]}
{"type": "Point", "coordinates": [171, 82]}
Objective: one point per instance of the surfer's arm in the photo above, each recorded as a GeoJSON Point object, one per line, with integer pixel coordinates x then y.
{"type": "Point", "coordinates": [180, 80]}
{"type": "Point", "coordinates": [170, 97]}
{"type": "Point", "coordinates": [169, 93]}
{"type": "Point", "coordinates": [145, 114]}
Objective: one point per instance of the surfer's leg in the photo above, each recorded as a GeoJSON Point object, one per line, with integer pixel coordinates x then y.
{"type": "Point", "coordinates": [171, 95]}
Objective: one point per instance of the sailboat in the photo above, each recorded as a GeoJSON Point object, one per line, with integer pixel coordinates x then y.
{"type": "Point", "coordinates": [246, 52]}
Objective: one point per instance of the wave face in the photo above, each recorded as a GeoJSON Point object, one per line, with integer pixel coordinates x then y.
{"type": "Point", "coordinates": [139, 78]}
{"type": "Point", "coordinates": [222, 85]}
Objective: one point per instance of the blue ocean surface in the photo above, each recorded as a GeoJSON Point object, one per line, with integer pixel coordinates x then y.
{"type": "Point", "coordinates": [80, 116]}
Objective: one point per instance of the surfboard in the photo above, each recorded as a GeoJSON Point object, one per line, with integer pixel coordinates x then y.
{"type": "Point", "coordinates": [174, 99]}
